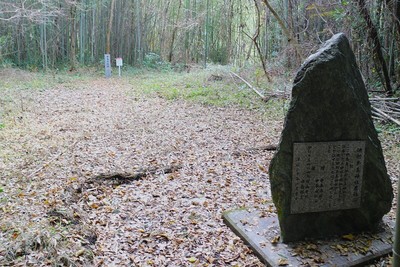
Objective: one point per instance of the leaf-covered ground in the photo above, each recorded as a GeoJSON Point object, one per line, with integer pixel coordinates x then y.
{"type": "Point", "coordinates": [56, 139]}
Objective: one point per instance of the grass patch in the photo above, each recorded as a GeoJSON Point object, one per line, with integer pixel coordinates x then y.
{"type": "Point", "coordinates": [201, 86]}
{"type": "Point", "coordinates": [387, 128]}
{"type": "Point", "coordinates": [390, 133]}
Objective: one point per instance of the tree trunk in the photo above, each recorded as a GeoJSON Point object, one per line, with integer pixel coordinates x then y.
{"type": "Point", "coordinates": [206, 34]}
{"type": "Point", "coordinates": [397, 15]}
{"type": "Point", "coordinates": [110, 22]}
{"type": "Point", "coordinates": [288, 33]}
{"type": "Point", "coordinates": [377, 49]}
{"type": "Point", "coordinates": [174, 31]}
{"type": "Point", "coordinates": [255, 40]}
{"type": "Point", "coordinates": [72, 52]}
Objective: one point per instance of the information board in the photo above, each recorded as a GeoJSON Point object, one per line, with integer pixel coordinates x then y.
{"type": "Point", "coordinates": [327, 176]}
{"type": "Point", "coordinates": [118, 62]}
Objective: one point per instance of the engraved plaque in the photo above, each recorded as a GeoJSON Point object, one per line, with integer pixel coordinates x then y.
{"type": "Point", "coordinates": [327, 176]}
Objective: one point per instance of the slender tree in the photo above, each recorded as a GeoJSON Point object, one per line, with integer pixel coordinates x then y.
{"type": "Point", "coordinates": [255, 37]}
{"type": "Point", "coordinates": [109, 29]}
{"type": "Point", "coordinates": [72, 52]}
{"type": "Point", "coordinates": [377, 48]}
{"type": "Point", "coordinates": [206, 28]}
{"type": "Point", "coordinates": [288, 33]}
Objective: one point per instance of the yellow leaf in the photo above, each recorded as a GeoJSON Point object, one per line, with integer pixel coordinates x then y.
{"type": "Point", "coordinates": [94, 206]}
{"type": "Point", "coordinates": [262, 168]}
{"type": "Point", "coordinates": [192, 259]}
{"type": "Point", "coordinates": [283, 262]}
{"type": "Point", "coordinates": [275, 240]}
{"type": "Point", "coordinates": [80, 252]}
{"type": "Point", "coordinates": [349, 237]}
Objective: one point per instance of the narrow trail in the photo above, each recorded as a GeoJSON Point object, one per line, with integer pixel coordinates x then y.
{"type": "Point", "coordinates": [67, 136]}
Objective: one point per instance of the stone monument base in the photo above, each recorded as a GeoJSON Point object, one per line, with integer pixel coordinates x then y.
{"type": "Point", "coordinates": [261, 233]}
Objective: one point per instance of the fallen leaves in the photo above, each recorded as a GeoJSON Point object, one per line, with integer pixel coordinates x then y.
{"type": "Point", "coordinates": [358, 244]}
{"type": "Point", "coordinates": [165, 219]}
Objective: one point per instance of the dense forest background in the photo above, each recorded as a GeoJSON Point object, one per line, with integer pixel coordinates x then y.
{"type": "Point", "coordinates": [137, 170]}
{"type": "Point", "coordinates": [43, 34]}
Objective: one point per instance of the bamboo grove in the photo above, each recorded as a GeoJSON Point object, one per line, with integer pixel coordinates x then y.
{"type": "Point", "coordinates": [53, 33]}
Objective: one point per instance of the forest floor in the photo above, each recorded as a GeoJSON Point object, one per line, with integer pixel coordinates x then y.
{"type": "Point", "coordinates": [59, 133]}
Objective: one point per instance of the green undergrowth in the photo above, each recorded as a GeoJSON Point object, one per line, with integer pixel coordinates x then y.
{"type": "Point", "coordinates": [214, 87]}
{"type": "Point", "coordinates": [389, 133]}
{"type": "Point", "coordinates": [15, 79]}
{"type": "Point", "coordinates": [387, 128]}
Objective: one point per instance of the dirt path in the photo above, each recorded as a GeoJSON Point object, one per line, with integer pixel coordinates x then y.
{"type": "Point", "coordinates": [65, 137]}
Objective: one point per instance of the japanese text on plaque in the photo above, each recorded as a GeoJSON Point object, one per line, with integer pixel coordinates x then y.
{"type": "Point", "coordinates": [327, 176]}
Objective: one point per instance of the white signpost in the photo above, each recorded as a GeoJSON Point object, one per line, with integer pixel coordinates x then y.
{"type": "Point", "coordinates": [119, 64]}
{"type": "Point", "coordinates": [107, 65]}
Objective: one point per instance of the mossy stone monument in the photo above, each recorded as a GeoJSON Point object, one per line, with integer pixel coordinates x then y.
{"type": "Point", "coordinates": [328, 176]}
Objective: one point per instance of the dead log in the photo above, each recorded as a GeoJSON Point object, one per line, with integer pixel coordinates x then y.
{"type": "Point", "coordinates": [124, 178]}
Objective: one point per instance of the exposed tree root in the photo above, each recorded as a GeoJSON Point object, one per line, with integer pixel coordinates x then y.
{"type": "Point", "coordinates": [124, 178]}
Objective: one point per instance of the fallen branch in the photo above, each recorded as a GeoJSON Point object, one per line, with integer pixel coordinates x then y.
{"type": "Point", "coordinates": [378, 118]}
{"type": "Point", "coordinates": [384, 98]}
{"type": "Point", "coordinates": [123, 178]}
{"type": "Point", "coordinates": [251, 87]}
{"type": "Point", "coordinates": [386, 115]}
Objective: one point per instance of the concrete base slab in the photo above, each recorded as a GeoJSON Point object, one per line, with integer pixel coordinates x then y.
{"type": "Point", "coordinates": [260, 231]}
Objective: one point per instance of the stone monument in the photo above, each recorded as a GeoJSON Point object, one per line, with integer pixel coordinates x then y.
{"type": "Point", "coordinates": [328, 176]}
